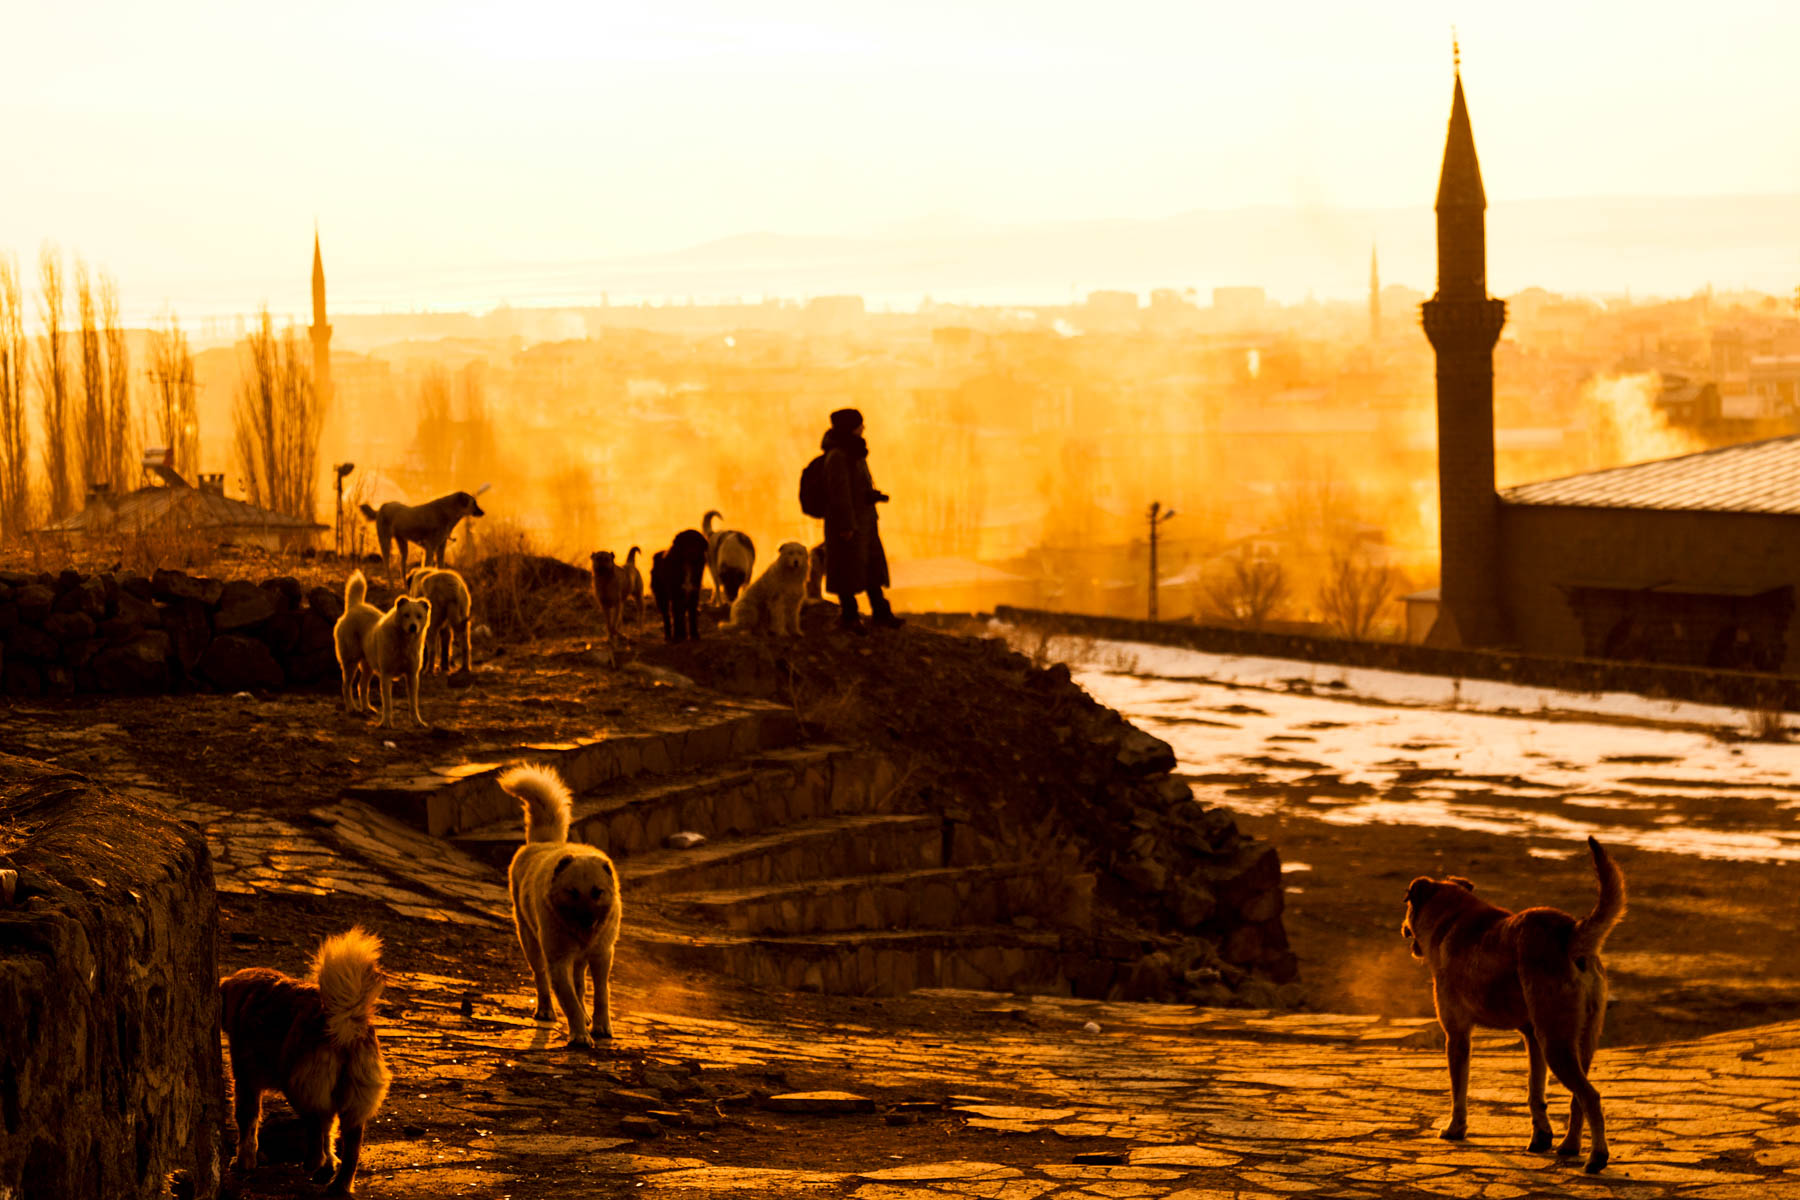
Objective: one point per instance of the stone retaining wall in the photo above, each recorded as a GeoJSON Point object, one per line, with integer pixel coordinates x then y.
{"type": "Point", "coordinates": [111, 1082]}
{"type": "Point", "coordinates": [1734, 689]}
{"type": "Point", "coordinates": [67, 633]}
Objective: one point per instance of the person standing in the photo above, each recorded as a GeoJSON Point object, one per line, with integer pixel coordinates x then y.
{"type": "Point", "coordinates": [854, 558]}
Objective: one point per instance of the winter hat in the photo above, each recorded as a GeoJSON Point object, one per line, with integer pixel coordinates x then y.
{"type": "Point", "coordinates": [849, 420]}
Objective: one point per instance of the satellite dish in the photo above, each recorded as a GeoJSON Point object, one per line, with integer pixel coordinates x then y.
{"type": "Point", "coordinates": [484, 487]}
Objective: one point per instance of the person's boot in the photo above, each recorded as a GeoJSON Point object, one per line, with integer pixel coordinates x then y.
{"type": "Point", "coordinates": [881, 613]}
{"type": "Point", "coordinates": [849, 620]}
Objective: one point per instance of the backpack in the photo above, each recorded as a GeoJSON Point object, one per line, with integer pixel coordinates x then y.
{"type": "Point", "coordinates": [813, 498]}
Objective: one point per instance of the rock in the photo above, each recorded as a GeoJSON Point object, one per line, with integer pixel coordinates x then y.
{"type": "Point", "coordinates": [641, 1127]}
{"type": "Point", "coordinates": [117, 630]}
{"type": "Point", "coordinates": [70, 626]}
{"type": "Point", "coordinates": [134, 608]}
{"type": "Point", "coordinates": [1140, 754]}
{"type": "Point", "coordinates": [1192, 903]}
{"type": "Point", "coordinates": [33, 644]}
{"type": "Point", "coordinates": [34, 603]}
{"type": "Point", "coordinates": [1152, 978]}
{"type": "Point", "coordinates": [1145, 873]}
{"type": "Point", "coordinates": [23, 679]}
{"type": "Point", "coordinates": [139, 665]}
{"type": "Point", "coordinates": [9, 885]}
{"type": "Point", "coordinates": [1106, 1158]}
{"type": "Point", "coordinates": [326, 603]}
{"type": "Point", "coordinates": [190, 631]}
{"type": "Point", "coordinates": [685, 840]}
{"type": "Point", "coordinates": [78, 654]}
{"type": "Point", "coordinates": [1091, 1027]}
{"type": "Point", "coordinates": [639, 1098]}
{"type": "Point", "coordinates": [242, 605]}
{"type": "Point", "coordinates": [235, 663]}
{"type": "Point", "coordinates": [58, 680]}
{"type": "Point", "coordinates": [137, 586]}
{"type": "Point", "coordinates": [281, 633]}
{"type": "Point", "coordinates": [287, 590]}
{"type": "Point", "coordinates": [9, 617]}
{"type": "Point", "coordinates": [818, 1102]}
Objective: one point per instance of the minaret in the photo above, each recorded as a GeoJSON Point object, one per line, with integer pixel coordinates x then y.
{"type": "Point", "coordinates": [321, 330]}
{"type": "Point", "coordinates": [1374, 297]}
{"type": "Point", "coordinates": [1463, 325]}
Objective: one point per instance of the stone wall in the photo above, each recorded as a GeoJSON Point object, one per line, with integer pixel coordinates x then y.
{"type": "Point", "coordinates": [1736, 689]}
{"type": "Point", "coordinates": [111, 1082]}
{"type": "Point", "coordinates": [67, 633]}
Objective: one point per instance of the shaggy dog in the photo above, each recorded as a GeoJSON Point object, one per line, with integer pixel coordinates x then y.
{"type": "Point", "coordinates": [450, 612]}
{"type": "Point", "coordinates": [815, 576]}
{"type": "Point", "coordinates": [632, 580]}
{"type": "Point", "coordinates": [730, 557]}
{"type": "Point", "coordinates": [675, 578]}
{"type": "Point", "coordinates": [773, 601]}
{"type": "Point", "coordinates": [350, 632]}
{"type": "Point", "coordinates": [313, 1040]}
{"type": "Point", "coordinates": [609, 591]}
{"type": "Point", "coordinates": [427, 525]}
{"type": "Point", "coordinates": [1537, 971]}
{"type": "Point", "coordinates": [566, 908]}
{"type": "Point", "coordinates": [380, 646]}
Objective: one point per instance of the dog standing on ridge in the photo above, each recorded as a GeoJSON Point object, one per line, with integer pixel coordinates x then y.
{"type": "Point", "coordinates": [632, 580]}
{"type": "Point", "coordinates": [609, 591]}
{"type": "Point", "coordinates": [566, 906]}
{"type": "Point", "coordinates": [730, 556]}
{"type": "Point", "coordinates": [1537, 971]}
{"type": "Point", "coordinates": [314, 1041]}
{"type": "Point", "coordinates": [675, 578]}
{"type": "Point", "coordinates": [428, 525]}
{"type": "Point", "coordinates": [451, 609]}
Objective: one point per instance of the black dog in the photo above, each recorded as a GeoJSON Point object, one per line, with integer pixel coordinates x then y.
{"type": "Point", "coordinates": [427, 525]}
{"type": "Point", "coordinates": [675, 576]}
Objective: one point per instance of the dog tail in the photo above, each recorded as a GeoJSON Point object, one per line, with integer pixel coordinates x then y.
{"type": "Point", "coordinates": [369, 512]}
{"type": "Point", "coordinates": [706, 522]}
{"type": "Point", "coordinates": [548, 806]}
{"type": "Point", "coordinates": [1591, 930]}
{"type": "Point", "coordinates": [631, 558]}
{"type": "Point", "coordinates": [356, 590]}
{"type": "Point", "coordinates": [347, 969]}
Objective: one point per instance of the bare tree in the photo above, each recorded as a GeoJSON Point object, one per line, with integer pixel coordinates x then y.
{"type": "Point", "coordinates": [277, 422]}
{"type": "Point", "coordinates": [15, 447]}
{"type": "Point", "coordinates": [53, 385]}
{"type": "Point", "coordinates": [118, 387]}
{"type": "Point", "coordinates": [172, 388]}
{"type": "Point", "coordinates": [1355, 591]}
{"type": "Point", "coordinates": [92, 418]}
{"type": "Point", "coordinates": [1253, 592]}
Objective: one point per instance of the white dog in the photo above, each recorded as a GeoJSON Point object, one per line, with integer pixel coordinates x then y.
{"type": "Point", "coordinates": [773, 601]}
{"type": "Point", "coordinates": [730, 556]}
{"type": "Point", "coordinates": [566, 906]}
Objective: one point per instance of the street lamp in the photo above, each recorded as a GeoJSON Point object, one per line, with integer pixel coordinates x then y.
{"type": "Point", "coordinates": [342, 470]}
{"type": "Point", "coordinates": [1157, 516]}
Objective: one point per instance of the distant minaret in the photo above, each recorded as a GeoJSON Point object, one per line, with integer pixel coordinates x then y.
{"type": "Point", "coordinates": [1374, 296]}
{"type": "Point", "coordinates": [321, 330]}
{"type": "Point", "coordinates": [1463, 325]}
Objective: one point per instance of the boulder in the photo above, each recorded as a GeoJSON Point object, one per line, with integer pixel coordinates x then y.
{"type": "Point", "coordinates": [137, 609]}
{"type": "Point", "coordinates": [23, 679]}
{"type": "Point", "coordinates": [32, 643]}
{"type": "Point", "coordinates": [189, 626]}
{"type": "Point", "coordinates": [242, 605]}
{"type": "Point", "coordinates": [326, 603]}
{"type": "Point", "coordinates": [235, 663]}
{"type": "Point", "coordinates": [1140, 754]}
{"type": "Point", "coordinates": [34, 602]}
{"type": "Point", "coordinates": [139, 665]}
{"type": "Point", "coordinates": [70, 626]}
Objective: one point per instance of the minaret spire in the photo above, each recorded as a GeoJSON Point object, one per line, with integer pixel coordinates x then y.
{"type": "Point", "coordinates": [321, 328]}
{"type": "Point", "coordinates": [1463, 325]}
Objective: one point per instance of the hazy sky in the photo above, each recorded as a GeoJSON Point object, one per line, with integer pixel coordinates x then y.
{"type": "Point", "coordinates": [179, 140]}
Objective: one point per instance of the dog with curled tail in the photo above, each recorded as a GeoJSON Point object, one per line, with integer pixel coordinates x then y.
{"type": "Point", "coordinates": [313, 1040]}
{"type": "Point", "coordinates": [773, 602]}
{"type": "Point", "coordinates": [1537, 971]}
{"type": "Point", "coordinates": [730, 556]}
{"type": "Point", "coordinates": [566, 905]}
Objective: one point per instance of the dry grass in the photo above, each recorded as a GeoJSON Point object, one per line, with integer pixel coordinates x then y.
{"type": "Point", "coordinates": [1044, 648]}
{"type": "Point", "coordinates": [512, 594]}
{"type": "Point", "coordinates": [1768, 723]}
{"type": "Point", "coordinates": [177, 548]}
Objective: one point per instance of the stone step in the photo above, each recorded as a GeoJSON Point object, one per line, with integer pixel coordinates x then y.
{"type": "Point", "coordinates": [742, 796]}
{"type": "Point", "coordinates": [858, 963]}
{"type": "Point", "coordinates": [936, 897]}
{"type": "Point", "coordinates": [457, 799]}
{"type": "Point", "coordinates": [822, 848]}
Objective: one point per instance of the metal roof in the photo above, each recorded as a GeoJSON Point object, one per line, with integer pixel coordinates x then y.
{"type": "Point", "coordinates": [190, 508]}
{"type": "Point", "coordinates": [1755, 477]}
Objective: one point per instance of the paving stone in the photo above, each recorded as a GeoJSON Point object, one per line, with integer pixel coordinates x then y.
{"type": "Point", "coordinates": [818, 1102]}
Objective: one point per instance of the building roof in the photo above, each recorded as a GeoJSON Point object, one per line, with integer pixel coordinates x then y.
{"type": "Point", "coordinates": [193, 508]}
{"type": "Point", "coordinates": [1754, 477]}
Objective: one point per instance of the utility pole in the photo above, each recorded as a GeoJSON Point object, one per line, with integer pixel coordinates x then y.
{"type": "Point", "coordinates": [341, 469]}
{"type": "Point", "coordinates": [1157, 517]}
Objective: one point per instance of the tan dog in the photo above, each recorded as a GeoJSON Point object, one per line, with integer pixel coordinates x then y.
{"type": "Point", "coordinates": [314, 1041]}
{"type": "Point", "coordinates": [451, 610]}
{"type": "Point", "coordinates": [815, 578]}
{"type": "Point", "coordinates": [631, 579]}
{"type": "Point", "coordinates": [773, 602]}
{"type": "Point", "coordinates": [1537, 971]}
{"type": "Point", "coordinates": [394, 648]}
{"type": "Point", "coordinates": [427, 525]}
{"type": "Point", "coordinates": [566, 907]}
{"type": "Point", "coordinates": [608, 583]}
{"type": "Point", "coordinates": [351, 630]}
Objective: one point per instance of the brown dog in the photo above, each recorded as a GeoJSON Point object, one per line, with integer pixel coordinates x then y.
{"type": "Point", "coordinates": [609, 585]}
{"type": "Point", "coordinates": [313, 1040]}
{"type": "Point", "coordinates": [1537, 971]}
{"type": "Point", "coordinates": [428, 525]}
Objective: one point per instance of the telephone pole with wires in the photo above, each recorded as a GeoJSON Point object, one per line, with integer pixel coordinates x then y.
{"type": "Point", "coordinates": [1157, 517]}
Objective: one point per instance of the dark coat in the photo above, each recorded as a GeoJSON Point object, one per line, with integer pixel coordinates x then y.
{"type": "Point", "coordinates": [857, 562]}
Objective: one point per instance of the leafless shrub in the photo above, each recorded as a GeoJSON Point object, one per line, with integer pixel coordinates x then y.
{"type": "Point", "coordinates": [53, 385]}
{"type": "Point", "coordinates": [91, 440]}
{"type": "Point", "coordinates": [1251, 592]}
{"type": "Point", "coordinates": [172, 394]}
{"type": "Point", "coordinates": [1354, 594]}
{"type": "Point", "coordinates": [15, 443]}
{"type": "Point", "coordinates": [277, 422]}
{"type": "Point", "coordinates": [1767, 721]}
{"type": "Point", "coordinates": [118, 387]}
{"type": "Point", "coordinates": [171, 544]}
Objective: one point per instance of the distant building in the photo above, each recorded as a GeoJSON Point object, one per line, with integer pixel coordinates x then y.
{"type": "Point", "coordinates": [1374, 297]}
{"type": "Point", "coordinates": [1238, 304]}
{"type": "Point", "coordinates": [180, 509]}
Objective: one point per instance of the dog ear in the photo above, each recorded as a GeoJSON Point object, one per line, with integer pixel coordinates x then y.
{"type": "Point", "coordinates": [562, 862]}
{"type": "Point", "coordinates": [1460, 882]}
{"type": "Point", "coordinates": [1420, 890]}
